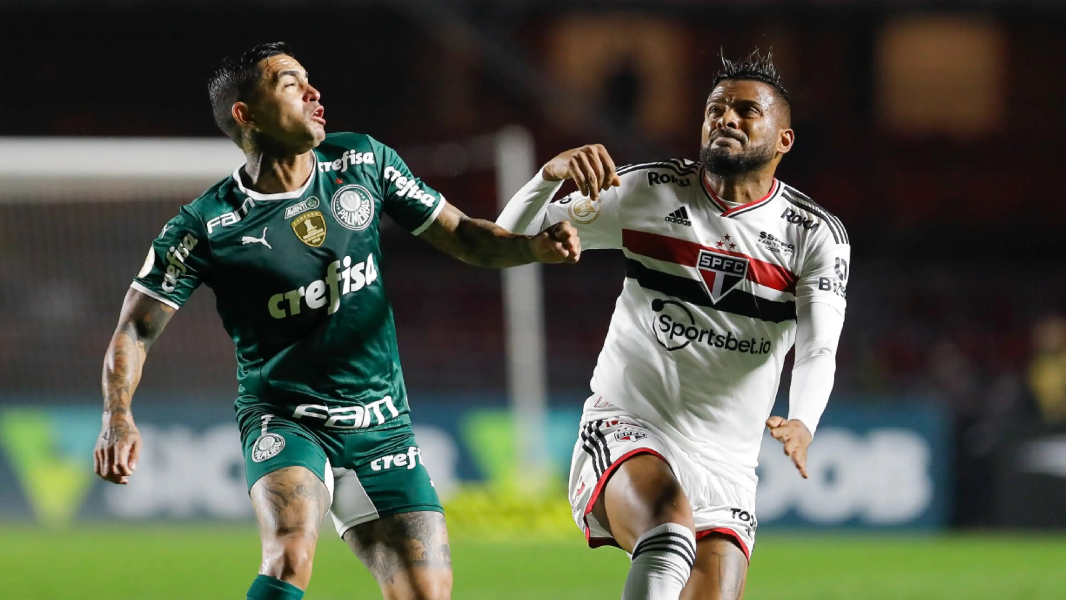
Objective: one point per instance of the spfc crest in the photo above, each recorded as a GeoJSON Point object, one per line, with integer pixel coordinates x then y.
{"type": "Point", "coordinates": [310, 227]}
{"type": "Point", "coordinates": [721, 272]}
{"type": "Point", "coordinates": [353, 206]}
{"type": "Point", "coordinates": [630, 435]}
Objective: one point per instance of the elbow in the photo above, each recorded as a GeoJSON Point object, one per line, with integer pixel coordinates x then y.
{"type": "Point", "coordinates": [816, 353]}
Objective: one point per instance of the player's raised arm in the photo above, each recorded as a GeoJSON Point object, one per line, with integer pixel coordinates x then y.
{"type": "Point", "coordinates": [142, 320]}
{"type": "Point", "coordinates": [592, 170]}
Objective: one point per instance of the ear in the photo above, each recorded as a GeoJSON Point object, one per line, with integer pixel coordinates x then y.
{"type": "Point", "coordinates": [785, 141]}
{"type": "Point", "coordinates": [242, 114]}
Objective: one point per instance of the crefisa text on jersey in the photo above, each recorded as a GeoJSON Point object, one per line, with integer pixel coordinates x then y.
{"type": "Point", "coordinates": [176, 262]}
{"type": "Point", "coordinates": [350, 157]}
{"type": "Point", "coordinates": [325, 292]}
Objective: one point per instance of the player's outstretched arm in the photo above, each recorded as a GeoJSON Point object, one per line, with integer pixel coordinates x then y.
{"type": "Point", "coordinates": [817, 334]}
{"type": "Point", "coordinates": [142, 320]}
{"type": "Point", "coordinates": [591, 168]}
{"type": "Point", "coordinates": [485, 244]}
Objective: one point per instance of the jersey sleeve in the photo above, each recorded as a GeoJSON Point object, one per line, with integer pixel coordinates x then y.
{"type": "Point", "coordinates": [598, 222]}
{"type": "Point", "coordinates": [176, 262]}
{"type": "Point", "coordinates": [411, 203]}
{"type": "Point", "coordinates": [825, 273]}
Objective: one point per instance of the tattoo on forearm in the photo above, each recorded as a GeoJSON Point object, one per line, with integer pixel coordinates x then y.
{"type": "Point", "coordinates": [397, 543]}
{"type": "Point", "coordinates": [143, 319]}
{"type": "Point", "coordinates": [478, 242]}
{"type": "Point", "coordinates": [486, 247]}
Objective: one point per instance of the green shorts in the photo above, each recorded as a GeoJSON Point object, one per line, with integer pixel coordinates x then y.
{"type": "Point", "coordinates": [370, 473]}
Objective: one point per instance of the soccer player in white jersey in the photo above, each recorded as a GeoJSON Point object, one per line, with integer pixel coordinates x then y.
{"type": "Point", "coordinates": [727, 269]}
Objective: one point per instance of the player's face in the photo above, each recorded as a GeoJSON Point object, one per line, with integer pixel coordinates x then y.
{"type": "Point", "coordinates": [287, 109]}
{"type": "Point", "coordinates": [744, 128]}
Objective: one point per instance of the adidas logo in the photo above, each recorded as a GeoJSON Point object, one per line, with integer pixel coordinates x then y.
{"type": "Point", "coordinates": [679, 216]}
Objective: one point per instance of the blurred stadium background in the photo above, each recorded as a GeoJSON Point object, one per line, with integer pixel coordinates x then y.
{"type": "Point", "coordinates": [932, 129]}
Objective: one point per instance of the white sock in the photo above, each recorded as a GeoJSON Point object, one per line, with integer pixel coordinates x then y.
{"type": "Point", "coordinates": [662, 562]}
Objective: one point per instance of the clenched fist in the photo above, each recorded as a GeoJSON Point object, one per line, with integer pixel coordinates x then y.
{"type": "Point", "coordinates": [557, 244]}
{"type": "Point", "coordinates": [117, 450]}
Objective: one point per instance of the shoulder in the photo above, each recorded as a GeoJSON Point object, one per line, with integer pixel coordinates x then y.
{"type": "Point", "coordinates": [218, 199]}
{"type": "Point", "coordinates": [676, 172]}
{"type": "Point", "coordinates": [359, 148]}
{"type": "Point", "coordinates": [803, 211]}
{"type": "Point", "coordinates": [347, 140]}
{"type": "Point", "coordinates": [667, 176]}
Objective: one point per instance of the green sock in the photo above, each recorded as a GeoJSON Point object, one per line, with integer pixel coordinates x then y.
{"type": "Point", "coordinates": [268, 588]}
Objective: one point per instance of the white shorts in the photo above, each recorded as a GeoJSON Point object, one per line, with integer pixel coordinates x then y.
{"type": "Point", "coordinates": [719, 505]}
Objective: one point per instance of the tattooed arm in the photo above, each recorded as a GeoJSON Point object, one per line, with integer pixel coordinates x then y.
{"type": "Point", "coordinates": [484, 244]}
{"type": "Point", "coordinates": [142, 320]}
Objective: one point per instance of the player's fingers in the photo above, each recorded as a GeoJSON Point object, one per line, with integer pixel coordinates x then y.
{"type": "Point", "coordinates": [135, 453]}
{"type": "Point", "coordinates": [598, 168]}
{"type": "Point", "coordinates": [611, 177]}
{"type": "Point", "coordinates": [96, 462]}
{"type": "Point", "coordinates": [775, 421]}
{"type": "Point", "coordinates": [801, 463]}
{"type": "Point", "coordinates": [578, 175]}
{"type": "Point", "coordinates": [591, 181]}
{"type": "Point", "coordinates": [122, 456]}
{"type": "Point", "coordinates": [106, 460]}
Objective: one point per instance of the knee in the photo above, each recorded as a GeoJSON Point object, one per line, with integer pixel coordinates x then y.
{"type": "Point", "coordinates": [668, 504]}
{"type": "Point", "coordinates": [435, 587]}
{"type": "Point", "coordinates": [289, 559]}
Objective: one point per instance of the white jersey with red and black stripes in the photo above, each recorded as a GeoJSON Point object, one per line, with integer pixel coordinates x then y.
{"type": "Point", "coordinates": [708, 311]}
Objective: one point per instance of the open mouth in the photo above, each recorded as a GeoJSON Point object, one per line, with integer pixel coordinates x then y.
{"type": "Point", "coordinates": [318, 115]}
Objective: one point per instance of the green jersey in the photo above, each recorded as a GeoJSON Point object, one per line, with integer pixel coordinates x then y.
{"type": "Point", "coordinates": [297, 282]}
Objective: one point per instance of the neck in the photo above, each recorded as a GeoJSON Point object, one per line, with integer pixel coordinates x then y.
{"type": "Point", "coordinates": [269, 173]}
{"type": "Point", "coordinates": [743, 187]}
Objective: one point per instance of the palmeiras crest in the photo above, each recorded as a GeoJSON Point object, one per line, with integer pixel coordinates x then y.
{"type": "Point", "coordinates": [721, 273]}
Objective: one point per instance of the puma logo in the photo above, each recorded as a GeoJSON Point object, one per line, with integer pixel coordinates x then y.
{"type": "Point", "coordinates": [257, 240]}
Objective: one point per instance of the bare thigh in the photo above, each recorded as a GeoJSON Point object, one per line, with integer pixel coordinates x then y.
{"type": "Point", "coordinates": [720, 570]}
{"type": "Point", "coordinates": [641, 495]}
{"type": "Point", "coordinates": [289, 505]}
{"type": "Point", "coordinates": [408, 554]}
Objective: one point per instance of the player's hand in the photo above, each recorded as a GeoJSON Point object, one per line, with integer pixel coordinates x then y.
{"type": "Point", "coordinates": [591, 168]}
{"type": "Point", "coordinates": [795, 436]}
{"type": "Point", "coordinates": [117, 449]}
{"type": "Point", "coordinates": [557, 244]}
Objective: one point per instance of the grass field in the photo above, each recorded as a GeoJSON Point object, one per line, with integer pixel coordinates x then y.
{"type": "Point", "coordinates": [207, 562]}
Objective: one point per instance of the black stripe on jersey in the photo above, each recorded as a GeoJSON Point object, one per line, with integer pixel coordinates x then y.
{"type": "Point", "coordinates": [797, 198]}
{"type": "Point", "coordinates": [675, 167]}
{"type": "Point", "coordinates": [736, 302]}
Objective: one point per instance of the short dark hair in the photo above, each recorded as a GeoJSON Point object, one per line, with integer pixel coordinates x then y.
{"type": "Point", "coordinates": [235, 80]}
{"type": "Point", "coordinates": [754, 67]}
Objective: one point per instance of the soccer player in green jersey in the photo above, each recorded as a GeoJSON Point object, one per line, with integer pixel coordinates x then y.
{"type": "Point", "coordinates": [290, 245]}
